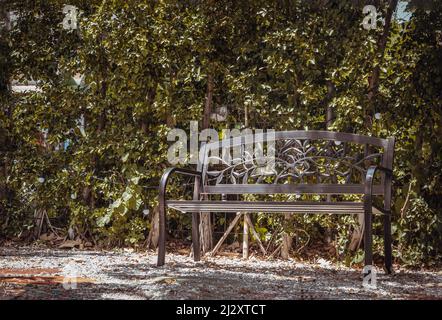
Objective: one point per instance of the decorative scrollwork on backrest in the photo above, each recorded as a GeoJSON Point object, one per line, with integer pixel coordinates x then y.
{"type": "Point", "coordinates": [294, 161]}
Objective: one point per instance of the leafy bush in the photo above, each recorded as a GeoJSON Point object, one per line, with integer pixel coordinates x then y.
{"type": "Point", "coordinates": [146, 67]}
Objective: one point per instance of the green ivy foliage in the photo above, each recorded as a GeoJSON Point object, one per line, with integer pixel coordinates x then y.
{"type": "Point", "coordinates": [278, 64]}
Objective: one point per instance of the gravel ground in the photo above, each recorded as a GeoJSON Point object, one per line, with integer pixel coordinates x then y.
{"type": "Point", "coordinates": [33, 273]}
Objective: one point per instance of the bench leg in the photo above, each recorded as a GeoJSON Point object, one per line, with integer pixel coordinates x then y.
{"type": "Point", "coordinates": [196, 236]}
{"type": "Point", "coordinates": [162, 235]}
{"type": "Point", "coordinates": [368, 238]}
{"type": "Point", "coordinates": [387, 244]}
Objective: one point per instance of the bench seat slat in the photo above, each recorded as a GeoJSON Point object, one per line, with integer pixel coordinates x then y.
{"type": "Point", "coordinates": [266, 206]}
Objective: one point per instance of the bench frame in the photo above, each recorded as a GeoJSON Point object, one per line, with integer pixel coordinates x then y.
{"type": "Point", "coordinates": [367, 189]}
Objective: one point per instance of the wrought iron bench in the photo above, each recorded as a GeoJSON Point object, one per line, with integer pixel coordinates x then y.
{"type": "Point", "coordinates": [329, 164]}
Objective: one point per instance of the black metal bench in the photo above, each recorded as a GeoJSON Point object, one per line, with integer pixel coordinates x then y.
{"type": "Point", "coordinates": [325, 163]}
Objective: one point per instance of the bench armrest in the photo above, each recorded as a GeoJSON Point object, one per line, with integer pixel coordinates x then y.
{"type": "Point", "coordinates": [369, 177]}
{"type": "Point", "coordinates": [371, 171]}
{"type": "Point", "coordinates": [165, 178]}
{"type": "Point", "coordinates": [375, 168]}
{"type": "Point", "coordinates": [162, 212]}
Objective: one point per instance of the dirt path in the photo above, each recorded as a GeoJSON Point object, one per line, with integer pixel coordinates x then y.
{"type": "Point", "coordinates": [29, 273]}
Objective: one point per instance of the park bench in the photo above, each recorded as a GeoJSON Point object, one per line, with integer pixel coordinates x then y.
{"type": "Point", "coordinates": [298, 164]}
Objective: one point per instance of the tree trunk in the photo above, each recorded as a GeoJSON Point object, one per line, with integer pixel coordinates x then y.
{"type": "Point", "coordinates": [5, 88]}
{"type": "Point", "coordinates": [418, 167]}
{"type": "Point", "coordinates": [88, 194]}
{"type": "Point", "coordinates": [170, 121]}
{"type": "Point", "coordinates": [373, 80]}
{"type": "Point", "coordinates": [286, 240]}
{"type": "Point", "coordinates": [245, 242]}
{"type": "Point", "coordinates": [330, 117]}
{"type": "Point", "coordinates": [205, 221]}
{"type": "Point", "coordinates": [208, 103]}
{"type": "Point", "coordinates": [373, 83]}
{"type": "Point", "coordinates": [150, 98]}
{"type": "Point", "coordinates": [245, 234]}
{"type": "Point", "coordinates": [152, 239]}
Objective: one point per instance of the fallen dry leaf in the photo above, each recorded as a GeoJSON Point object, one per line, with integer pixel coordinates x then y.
{"type": "Point", "coordinates": [48, 237]}
{"type": "Point", "coordinates": [31, 271]}
{"type": "Point", "coordinates": [69, 244]}
{"type": "Point", "coordinates": [165, 280]}
{"type": "Point", "coordinates": [44, 280]}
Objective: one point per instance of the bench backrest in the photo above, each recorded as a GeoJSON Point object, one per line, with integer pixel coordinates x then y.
{"type": "Point", "coordinates": [294, 162]}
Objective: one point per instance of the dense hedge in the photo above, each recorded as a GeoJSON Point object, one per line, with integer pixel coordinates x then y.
{"type": "Point", "coordinates": [146, 65]}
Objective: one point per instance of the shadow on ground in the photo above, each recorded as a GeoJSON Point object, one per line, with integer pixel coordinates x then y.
{"type": "Point", "coordinates": [130, 275]}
